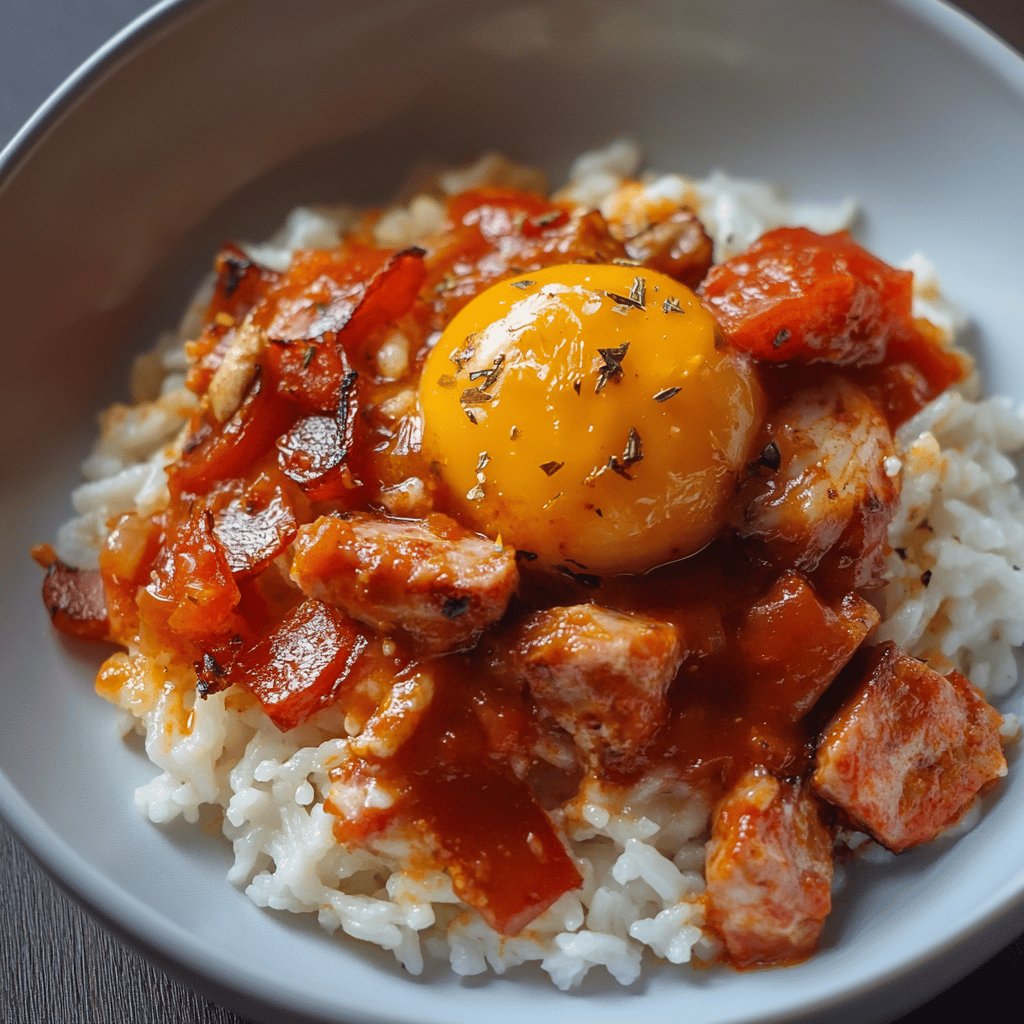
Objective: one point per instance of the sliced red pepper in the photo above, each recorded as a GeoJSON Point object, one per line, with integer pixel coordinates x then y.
{"type": "Point", "coordinates": [220, 451]}
{"type": "Point", "coordinates": [299, 667]}
{"type": "Point", "coordinates": [389, 295]}
{"type": "Point", "coordinates": [797, 296]}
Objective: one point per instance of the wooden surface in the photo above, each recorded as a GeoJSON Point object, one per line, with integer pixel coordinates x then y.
{"type": "Point", "coordinates": [57, 965]}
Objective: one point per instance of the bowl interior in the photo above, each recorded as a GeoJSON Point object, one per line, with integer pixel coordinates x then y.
{"type": "Point", "coordinates": [220, 116]}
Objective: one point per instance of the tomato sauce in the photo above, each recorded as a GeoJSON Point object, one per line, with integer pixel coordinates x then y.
{"type": "Point", "coordinates": [199, 580]}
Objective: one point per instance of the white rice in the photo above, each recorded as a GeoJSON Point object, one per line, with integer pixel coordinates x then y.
{"type": "Point", "coordinates": [640, 852]}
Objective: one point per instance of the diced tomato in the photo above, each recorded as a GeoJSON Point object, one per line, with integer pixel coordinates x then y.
{"type": "Point", "coordinates": [797, 296]}
{"type": "Point", "coordinates": [796, 644]}
{"type": "Point", "coordinates": [221, 451]}
{"type": "Point", "coordinates": [301, 665]}
{"type": "Point", "coordinates": [494, 840]}
{"type": "Point", "coordinates": [193, 593]}
{"type": "Point", "coordinates": [498, 232]}
{"type": "Point", "coordinates": [125, 563]}
{"type": "Point", "coordinates": [918, 367]}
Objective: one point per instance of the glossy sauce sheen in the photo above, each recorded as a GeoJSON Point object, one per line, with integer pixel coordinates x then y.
{"type": "Point", "coordinates": [200, 579]}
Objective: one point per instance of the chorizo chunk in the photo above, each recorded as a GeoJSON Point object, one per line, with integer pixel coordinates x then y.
{"type": "Point", "coordinates": [820, 491]}
{"type": "Point", "coordinates": [769, 871]}
{"type": "Point", "coordinates": [796, 644]}
{"type": "Point", "coordinates": [602, 675]}
{"type": "Point", "coordinates": [429, 579]}
{"type": "Point", "coordinates": [910, 750]}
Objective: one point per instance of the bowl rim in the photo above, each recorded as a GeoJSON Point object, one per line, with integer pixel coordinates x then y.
{"type": "Point", "coordinates": [234, 981]}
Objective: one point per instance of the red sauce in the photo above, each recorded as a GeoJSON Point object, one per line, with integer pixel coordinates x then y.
{"type": "Point", "coordinates": [305, 440]}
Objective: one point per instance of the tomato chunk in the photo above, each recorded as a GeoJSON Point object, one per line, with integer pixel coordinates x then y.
{"type": "Point", "coordinates": [797, 296]}
{"type": "Point", "coordinates": [796, 644]}
{"type": "Point", "coordinates": [300, 666]}
{"type": "Point", "coordinates": [192, 593]}
{"type": "Point", "coordinates": [125, 563]}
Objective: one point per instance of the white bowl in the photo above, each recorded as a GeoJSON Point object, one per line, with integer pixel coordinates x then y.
{"type": "Point", "coordinates": [210, 120]}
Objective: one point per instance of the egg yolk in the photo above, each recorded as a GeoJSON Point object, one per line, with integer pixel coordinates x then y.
{"type": "Point", "coordinates": [591, 415]}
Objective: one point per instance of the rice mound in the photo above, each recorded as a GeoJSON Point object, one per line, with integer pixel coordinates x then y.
{"type": "Point", "coordinates": [955, 596]}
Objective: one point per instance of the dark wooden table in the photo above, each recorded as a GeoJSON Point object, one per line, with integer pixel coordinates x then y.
{"type": "Point", "coordinates": [57, 965]}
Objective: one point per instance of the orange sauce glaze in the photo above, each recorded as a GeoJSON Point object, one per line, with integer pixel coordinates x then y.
{"type": "Point", "coordinates": [170, 584]}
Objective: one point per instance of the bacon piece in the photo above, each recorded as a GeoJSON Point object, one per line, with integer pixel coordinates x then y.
{"type": "Point", "coordinates": [819, 494]}
{"type": "Point", "coordinates": [315, 452]}
{"type": "Point", "coordinates": [676, 245]}
{"type": "Point", "coordinates": [430, 579]}
{"type": "Point", "coordinates": [497, 233]}
{"type": "Point", "coordinates": [909, 752]}
{"type": "Point", "coordinates": [240, 284]}
{"type": "Point", "coordinates": [602, 675]}
{"type": "Point", "coordinates": [797, 296]}
{"type": "Point", "coordinates": [796, 644]}
{"type": "Point", "coordinates": [769, 871]}
{"type": "Point", "coordinates": [302, 664]}
{"type": "Point", "coordinates": [73, 597]}
{"type": "Point", "coordinates": [255, 527]}
{"type": "Point", "coordinates": [217, 452]}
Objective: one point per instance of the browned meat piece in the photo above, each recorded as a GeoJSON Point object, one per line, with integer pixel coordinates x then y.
{"type": "Point", "coordinates": [769, 871]}
{"type": "Point", "coordinates": [602, 675]}
{"type": "Point", "coordinates": [75, 600]}
{"type": "Point", "coordinates": [678, 246]}
{"type": "Point", "coordinates": [796, 644]}
{"type": "Point", "coordinates": [819, 493]}
{"type": "Point", "coordinates": [430, 579]}
{"type": "Point", "coordinates": [908, 753]}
